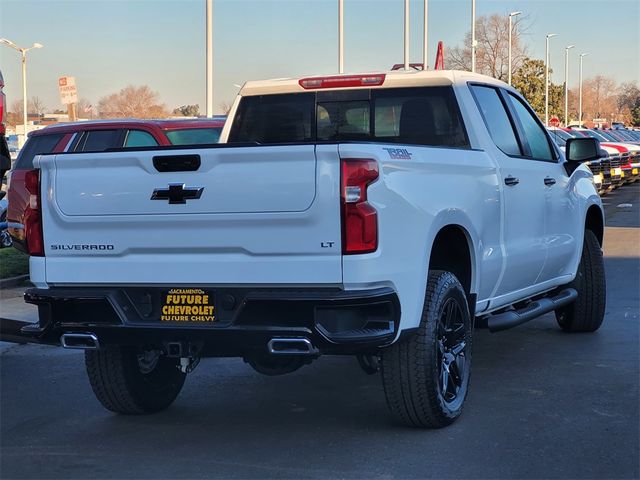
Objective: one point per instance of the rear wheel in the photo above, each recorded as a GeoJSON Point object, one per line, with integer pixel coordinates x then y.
{"type": "Point", "coordinates": [587, 312]}
{"type": "Point", "coordinates": [131, 380]}
{"type": "Point", "coordinates": [426, 376]}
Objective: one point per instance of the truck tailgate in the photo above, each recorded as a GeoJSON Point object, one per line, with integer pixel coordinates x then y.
{"type": "Point", "coordinates": [264, 214]}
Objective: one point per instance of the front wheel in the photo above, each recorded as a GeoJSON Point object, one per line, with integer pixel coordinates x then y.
{"type": "Point", "coordinates": [134, 381]}
{"type": "Point", "coordinates": [426, 376]}
{"type": "Point", "coordinates": [587, 312]}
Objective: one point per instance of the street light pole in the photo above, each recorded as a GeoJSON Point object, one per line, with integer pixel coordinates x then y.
{"type": "Point", "coordinates": [209, 50]}
{"type": "Point", "coordinates": [473, 35]}
{"type": "Point", "coordinates": [340, 36]}
{"type": "Point", "coordinates": [511, 15]}
{"type": "Point", "coordinates": [23, 54]}
{"type": "Point", "coordinates": [566, 84]}
{"type": "Point", "coordinates": [406, 34]}
{"type": "Point", "coordinates": [426, 31]}
{"type": "Point", "coordinates": [546, 81]}
{"type": "Point", "coordinates": [582, 55]}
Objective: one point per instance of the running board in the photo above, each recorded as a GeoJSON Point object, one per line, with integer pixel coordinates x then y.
{"type": "Point", "coordinates": [536, 308]}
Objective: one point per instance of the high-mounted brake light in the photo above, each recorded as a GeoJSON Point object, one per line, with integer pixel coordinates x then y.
{"type": "Point", "coordinates": [342, 81]}
{"type": "Point", "coordinates": [33, 215]}
{"type": "Point", "coordinates": [359, 218]}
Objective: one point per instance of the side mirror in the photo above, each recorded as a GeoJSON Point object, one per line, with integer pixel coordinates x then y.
{"type": "Point", "coordinates": [582, 149]}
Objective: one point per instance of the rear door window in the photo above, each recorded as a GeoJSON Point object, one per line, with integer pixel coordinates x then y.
{"type": "Point", "coordinates": [496, 119]}
{"type": "Point", "coordinates": [99, 140]}
{"type": "Point", "coordinates": [139, 138]}
{"type": "Point", "coordinates": [194, 136]}
{"type": "Point", "coordinates": [36, 145]}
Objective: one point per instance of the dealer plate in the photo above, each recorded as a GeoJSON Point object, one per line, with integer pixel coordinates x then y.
{"type": "Point", "coordinates": [188, 305]}
{"type": "Point", "coordinates": [634, 171]}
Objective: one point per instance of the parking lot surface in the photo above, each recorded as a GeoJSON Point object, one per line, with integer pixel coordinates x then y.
{"type": "Point", "coordinates": [542, 404]}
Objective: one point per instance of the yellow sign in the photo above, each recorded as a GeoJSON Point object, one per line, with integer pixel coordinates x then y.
{"type": "Point", "coordinates": [187, 305]}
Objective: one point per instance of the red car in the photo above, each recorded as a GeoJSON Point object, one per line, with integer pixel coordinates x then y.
{"type": "Point", "coordinates": [98, 136]}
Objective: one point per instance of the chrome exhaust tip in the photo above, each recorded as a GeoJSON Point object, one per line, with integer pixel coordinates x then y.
{"type": "Point", "coordinates": [80, 341]}
{"type": "Point", "coordinates": [291, 346]}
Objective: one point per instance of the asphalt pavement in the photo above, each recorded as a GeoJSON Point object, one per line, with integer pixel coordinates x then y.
{"type": "Point", "coordinates": [542, 404]}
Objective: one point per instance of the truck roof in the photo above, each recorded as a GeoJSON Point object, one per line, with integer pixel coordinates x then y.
{"type": "Point", "coordinates": [394, 78]}
{"type": "Point", "coordinates": [163, 124]}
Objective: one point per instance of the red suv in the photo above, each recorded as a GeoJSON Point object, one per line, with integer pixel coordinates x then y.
{"type": "Point", "coordinates": [98, 136]}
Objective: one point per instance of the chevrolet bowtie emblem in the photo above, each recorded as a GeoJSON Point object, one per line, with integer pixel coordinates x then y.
{"type": "Point", "coordinates": [177, 193]}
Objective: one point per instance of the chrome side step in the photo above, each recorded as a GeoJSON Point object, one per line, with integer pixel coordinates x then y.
{"type": "Point", "coordinates": [536, 308]}
{"type": "Point", "coordinates": [291, 346]}
{"type": "Point", "coordinates": [81, 341]}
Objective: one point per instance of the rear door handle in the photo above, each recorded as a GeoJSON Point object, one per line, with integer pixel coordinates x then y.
{"type": "Point", "coordinates": [549, 181]}
{"type": "Point", "coordinates": [511, 181]}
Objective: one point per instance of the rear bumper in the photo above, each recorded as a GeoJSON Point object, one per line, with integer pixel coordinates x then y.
{"type": "Point", "coordinates": [333, 320]}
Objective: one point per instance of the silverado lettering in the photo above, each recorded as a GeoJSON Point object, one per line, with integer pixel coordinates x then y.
{"type": "Point", "coordinates": [82, 247]}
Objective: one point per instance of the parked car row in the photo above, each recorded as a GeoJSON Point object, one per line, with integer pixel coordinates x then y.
{"type": "Point", "coordinates": [620, 161]}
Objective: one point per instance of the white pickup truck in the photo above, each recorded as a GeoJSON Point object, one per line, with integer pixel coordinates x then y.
{"type": "Point", "coordinates": [376, 215]}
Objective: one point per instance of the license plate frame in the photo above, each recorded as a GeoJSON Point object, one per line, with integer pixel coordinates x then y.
{"type": "Point", "coordinates": [188, 305]}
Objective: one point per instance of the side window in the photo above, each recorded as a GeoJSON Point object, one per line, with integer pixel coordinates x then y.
{"type": "Point", "coordinates": [139, 138]}
{"type": "Point", "coordinates": [194, 136]}
{"type": "Point", "coordinates": [496, 119]}
{"type": "Point", "coordinates": [36, 146]}
{"type": "Point", "coordinates": [98, 141]}
{"type": "Point", "coordinates": [532, 131]}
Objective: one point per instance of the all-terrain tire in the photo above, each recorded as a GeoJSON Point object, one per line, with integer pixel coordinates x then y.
{"type": "Point", "coordinates": [121, 386]}
{"type": "Point", "coordinates": [413, 369]}
{"type": "Point", "coordinates": [587, 312]}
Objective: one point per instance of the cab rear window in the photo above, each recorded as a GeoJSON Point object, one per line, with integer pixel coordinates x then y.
{"type": "Point", "coordinates": [265, 119]}
{"type": "Point", "coordinates": [36, 145]}
{"type": "Point", "coordinates": [420, 116]}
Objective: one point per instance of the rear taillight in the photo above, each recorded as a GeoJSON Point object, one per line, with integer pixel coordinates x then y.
{"type": "Point", "coordinates": [359, 218]}
{"type": "Point", "coordinates": [342, 81]}
{"type": "Point", "coordinates": [33, 215]}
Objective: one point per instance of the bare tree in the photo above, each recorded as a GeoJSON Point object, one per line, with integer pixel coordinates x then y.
{"type": "Point", "coordinates": [132, 102]}
{"type": "Point", "coordinates": [599, 97]}
{"type": "Point", "coordinates": [492, 52]}
{"type": "Point", "coordinates": [37, 106]}
{"type": "Point", "coordinates": [225, 107]}
{"type": "Point", "coordinates": [628, 99]}
{"type": "Point", "coordinates": [14, 114]}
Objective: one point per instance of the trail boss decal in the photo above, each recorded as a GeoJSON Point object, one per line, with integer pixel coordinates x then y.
{"type": "Point", "coordinates": [398, 153]}
{"type": "Point", "coordinates": [187, 305]}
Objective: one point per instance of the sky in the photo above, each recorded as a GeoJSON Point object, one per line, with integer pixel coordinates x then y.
{"type": "Point", "coordinates": [109, 44]}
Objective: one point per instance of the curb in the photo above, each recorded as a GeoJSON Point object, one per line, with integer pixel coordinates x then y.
{"type": "Point", "coordinates": [13, 281]}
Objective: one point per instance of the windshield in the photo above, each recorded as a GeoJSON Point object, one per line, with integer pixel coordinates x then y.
{"type": "Point", "coordinates": [609, 137]}
{"type": "Point", "coordinates": [194, 136]}
{"type": "Point", "coordinates": [597, 135]}
{"type": "Point", "coordinates": [559, 136]}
